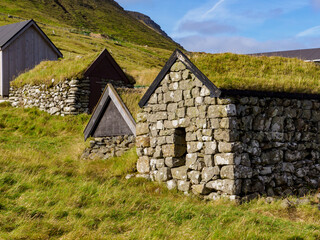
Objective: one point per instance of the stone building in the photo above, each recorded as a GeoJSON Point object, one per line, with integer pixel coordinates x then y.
{"type": "Point", "coordinates": [217, 142]}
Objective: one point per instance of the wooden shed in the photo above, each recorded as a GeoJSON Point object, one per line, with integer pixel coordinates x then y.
{"type": "Point", "coordinates": [102, 71]}
{"type": "Point", "coordinates": [23, 45]}
{"type": "Point", "coordinates": [110, 117]}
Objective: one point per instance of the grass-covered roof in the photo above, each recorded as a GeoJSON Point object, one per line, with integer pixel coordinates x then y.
{"type": "Point", "coordinates": [243, 72]}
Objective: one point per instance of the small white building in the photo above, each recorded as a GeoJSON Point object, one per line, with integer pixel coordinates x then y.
{"type": "Point", "coordinates": [23, 45]}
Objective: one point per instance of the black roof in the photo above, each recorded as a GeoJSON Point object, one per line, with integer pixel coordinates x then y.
{"type": "Point", "coordinates": [7, 32]}
{"type": "Point", "coordinates": [311, 54]}
{"type": "Point", "coordinates": [11, 31]}
{"type": "Point", "coordinates": [177, 54]}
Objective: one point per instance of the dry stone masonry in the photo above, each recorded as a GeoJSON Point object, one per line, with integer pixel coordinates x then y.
{"type": "Point", "coordinates": [65, 98]}
{"type": "Point", "coordinates": [70, 97]}
{"type": "Point", "coordinates": [104, 148]}
{"type": "Point", "coordinates": [233, 146]}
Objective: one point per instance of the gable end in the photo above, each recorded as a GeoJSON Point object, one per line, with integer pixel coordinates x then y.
{"type": "Point", "coordinates": [106, 55]}
{"type": "Point", "coordinates": [109, 95]}
{"type": "Point", "coordinates": [178, 55]}
{"type": "Point", "coordinates": [31, 23]}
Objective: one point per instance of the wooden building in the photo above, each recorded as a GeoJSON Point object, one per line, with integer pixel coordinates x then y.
{"type": "Point", "coordinates": [110, 117]}
{"type": "Point", "coordinates": [23, 45]}
{"type": "Point", "coordinates": [102, 71]}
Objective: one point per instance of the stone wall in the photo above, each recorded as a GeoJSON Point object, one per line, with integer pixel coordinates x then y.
{"type": "Point", "coordinates": [70, 97]}
{"type": "Point", "coordinates": [104, 148]}
{"type": "Point", "coordinates": [280, 140]}
{"type": "Point", "coordinates": [233, 146]}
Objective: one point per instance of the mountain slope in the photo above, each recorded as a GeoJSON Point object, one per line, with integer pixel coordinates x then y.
{"type": "Point", "coordinates": [101, 16]}
{"type": "Point", "coordinates": [149, 22]}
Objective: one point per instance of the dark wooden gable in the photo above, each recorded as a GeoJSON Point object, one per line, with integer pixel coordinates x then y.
{"type": "Point", "coordinates": [177, 54]}
{"type": "Point", "coordinates": [105, 67]}
{"type": "Point", "coordinates": [110, 117]}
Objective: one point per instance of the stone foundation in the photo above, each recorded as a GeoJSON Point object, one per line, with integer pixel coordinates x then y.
{"type": "Point", "coordinates": [107, 147]}
{"type": "Point", "coordinates": [232, 146]}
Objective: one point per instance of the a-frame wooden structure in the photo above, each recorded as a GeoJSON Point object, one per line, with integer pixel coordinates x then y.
{"type": "Point", "coordinates": [104, 67]}
{"type": "Point", "coordinates": [110, 117]}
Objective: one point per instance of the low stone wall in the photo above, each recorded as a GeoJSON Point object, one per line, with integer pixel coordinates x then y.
{"type": "Point", "coordinates": [70, 97]}
{"type": "Point", "coordinates": [104, 148]}
{"type": "Point", "coordinates": [233, 146]}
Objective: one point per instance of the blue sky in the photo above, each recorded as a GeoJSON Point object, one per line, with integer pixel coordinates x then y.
{"type": "Point", "coordinates": [239, 26]}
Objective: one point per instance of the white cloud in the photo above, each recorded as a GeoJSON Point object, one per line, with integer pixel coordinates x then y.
{"type": "Point", "coordinates": [243, 14]}
{"type": "Point", "coordinates": [211, 10]}
{"type": "Point", "coordinates": [236, 44]}
{"type": "Point", "coordinates": [311, 32]}
{"type": "Point", "coordinates": [206, 27]}
{"type": "Point", "coordinates": [228, 26]}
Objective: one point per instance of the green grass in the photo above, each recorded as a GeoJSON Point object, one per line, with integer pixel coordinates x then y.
{"type": "Point", "coordinates": [99, 16]}
{"type": "Point", "coordinates": [129, 42]}
{"type": "Point", "coordinates": [80, 50]}
{"type": "Point", "coordinates": [131, 98]}
{"type": "Point", "coordinates": [47, 192]}
{"type": "Point", "coordinates": [232, 71]}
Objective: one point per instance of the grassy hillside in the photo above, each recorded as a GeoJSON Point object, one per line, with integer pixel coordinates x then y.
{"type": "Point", "coordinates": [79, 50]}
{"type": "Point", "coordinates": [232, 71]}
{"type": "Point", "coordinates": [47, 192]}
{"type": "Point", "coordinates": [98, 16]}
{"type": "Point", "coordinates": [143, 62]}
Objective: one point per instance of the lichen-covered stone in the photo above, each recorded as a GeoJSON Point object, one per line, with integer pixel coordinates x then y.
{"type": "Point", "coordinates": [179, 173]}
{"type": "Point", "coordinates": [200, 189]}
{"type": "Point", "coordinates": [195, 177]}
{"type": "Point", "coordinates": [163, 174]}
{"type": "Point", "coordinates": [209, 173]}
{"type": "Point", "coordinates": [228, 172]}
{"type": "Point", "coordinates": [143, 164]}
{"type": "Point", "coordinates": [174, 162]}
{"type": "Point", "coordinates": [142, 141]}
{"type": "Point", "coordinates": [208, 160]}
{"type": "Point", "coordinates": [142, 128]}
{"type": "Point", "coordinates": [226, 135]}
{"type": "Point", "coordinates": [227, 159]}
{"type": "Point", "coordinates": [173, 150]}
{"type": "Point", "coordinates": [193, 147]}
{"type": "Point", "coordinates": [226, 185]}
{"type": "Point", "coordinates": [210, 147]}
{"type": "Point", "coordinates": [172, 184]}
{"type": "Point", "coordinates": [183, 185]}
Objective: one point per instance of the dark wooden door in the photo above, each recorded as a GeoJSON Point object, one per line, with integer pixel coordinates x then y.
{"type": "Point", "coordinates": [95, 92]}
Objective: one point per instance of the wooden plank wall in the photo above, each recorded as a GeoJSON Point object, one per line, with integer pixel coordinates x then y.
{"type": "Point", "coordinates": [28, 50]}
{"type": "Point", "coordinates": [112, 123]}
{"type": "Point", "coordinates": [1, 77]}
